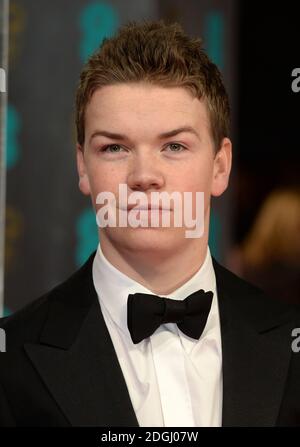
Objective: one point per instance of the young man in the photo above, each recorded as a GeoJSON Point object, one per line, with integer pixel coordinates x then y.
{"type": "Point", "coordinates": [151, 331]}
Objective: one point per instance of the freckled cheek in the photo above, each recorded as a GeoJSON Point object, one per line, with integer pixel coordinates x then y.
{"type": "Point", "coordinates": [199, 182]}
{"type": "Point", "coordinates": [104, 180]}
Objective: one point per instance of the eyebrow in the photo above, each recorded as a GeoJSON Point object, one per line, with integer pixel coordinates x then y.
{"type": "Point", "coordinates": [170, 133]}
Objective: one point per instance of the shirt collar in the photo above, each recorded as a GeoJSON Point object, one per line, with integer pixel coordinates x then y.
{"type": "Point", "coordinates": [113, 287]}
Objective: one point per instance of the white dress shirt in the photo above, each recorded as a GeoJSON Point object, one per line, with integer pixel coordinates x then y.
{"type": "Point", "coordinates": [173, 380]}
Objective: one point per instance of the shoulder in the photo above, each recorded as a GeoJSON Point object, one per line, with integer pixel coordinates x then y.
{"type": "Point", "coordinates": [25, 325]}
{"type": "Point", "coordinates": [251, 301]}
{"type": "Point", "coordinates": [233, 281]}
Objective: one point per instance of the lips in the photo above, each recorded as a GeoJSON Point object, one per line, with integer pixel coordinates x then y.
{"type": "Point", "coordinates": [145, 208]}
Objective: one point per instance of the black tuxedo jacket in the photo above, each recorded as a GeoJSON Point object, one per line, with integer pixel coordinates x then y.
{"type": "Point", "coordinates": [60, 367]}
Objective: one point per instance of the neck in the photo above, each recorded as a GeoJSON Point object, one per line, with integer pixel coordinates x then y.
{"type": "Point", "coordinates": [160, 272]}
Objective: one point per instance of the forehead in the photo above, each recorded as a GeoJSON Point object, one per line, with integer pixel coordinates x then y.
{"type": "Point", "coordinates": [145, 104]}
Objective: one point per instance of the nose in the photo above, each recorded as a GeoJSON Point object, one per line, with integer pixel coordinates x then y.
{"type": "Point", "coordinates": [145, 174]}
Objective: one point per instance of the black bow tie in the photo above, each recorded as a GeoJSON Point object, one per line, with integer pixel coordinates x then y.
{"type": "Point", "coordinates": [145, 313]}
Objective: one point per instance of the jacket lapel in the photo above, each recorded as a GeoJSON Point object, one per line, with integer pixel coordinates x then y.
{"type": "Point", "coordinates": [76, 359]}
{"type": "Point", "coordinates": [256, 350]}
{"type": "Point", "coordinates": [80, 368]}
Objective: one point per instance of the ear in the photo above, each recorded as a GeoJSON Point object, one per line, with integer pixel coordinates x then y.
{"type": "Point", "coordinates": [84, 184]}
{"type": "Point", "coordinates": [222, 168]}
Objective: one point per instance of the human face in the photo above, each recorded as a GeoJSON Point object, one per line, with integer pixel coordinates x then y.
{"type": "Point", "coordinates": [141, 159]}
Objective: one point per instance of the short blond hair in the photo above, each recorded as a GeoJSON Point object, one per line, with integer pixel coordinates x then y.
{"type": "Point", "coordinates": [161, 54]}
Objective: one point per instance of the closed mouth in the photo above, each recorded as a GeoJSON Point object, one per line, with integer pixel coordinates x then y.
{"type": "Point", "coordinates": [146, 208]}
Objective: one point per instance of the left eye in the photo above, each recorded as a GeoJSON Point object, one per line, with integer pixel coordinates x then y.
{"type": "Point", "coordinates": [177, 145]}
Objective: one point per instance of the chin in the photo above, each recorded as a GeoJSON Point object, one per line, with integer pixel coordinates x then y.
{"type": "Point", "coordinates": [147, 239]}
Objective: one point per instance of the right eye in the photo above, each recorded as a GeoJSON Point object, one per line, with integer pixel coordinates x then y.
{"type": "Point", "coordinates": [104, 148]}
